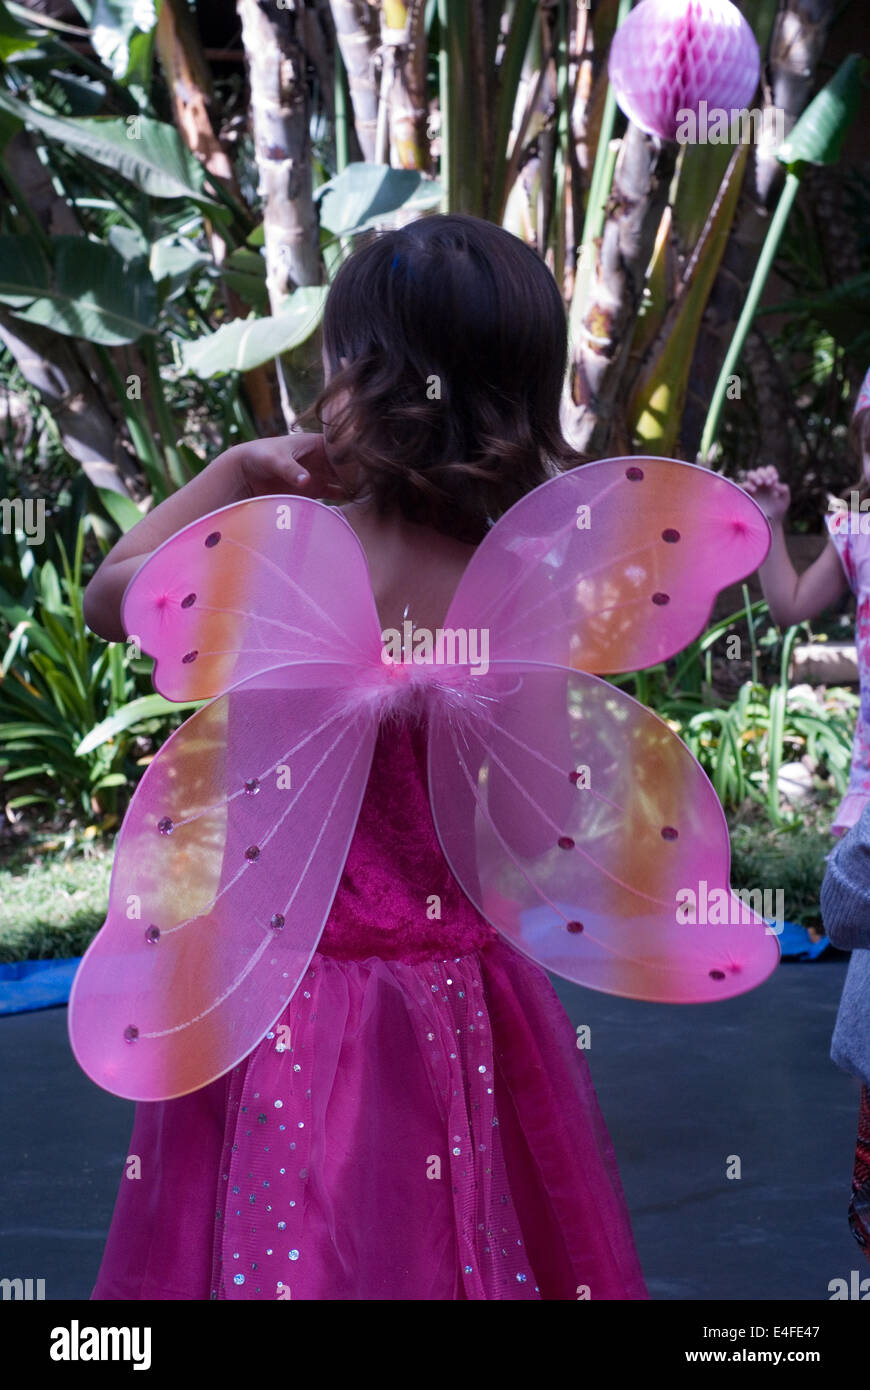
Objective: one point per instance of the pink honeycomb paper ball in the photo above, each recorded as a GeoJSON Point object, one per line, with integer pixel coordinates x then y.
{"type": "Point", "coordinates": [670, 55]}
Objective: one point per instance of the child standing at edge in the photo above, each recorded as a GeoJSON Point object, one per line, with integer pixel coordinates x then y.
{"type": "Point", "coordinates": [845, 896]}
{"type": "Point", "coordinates": [396, 1005]}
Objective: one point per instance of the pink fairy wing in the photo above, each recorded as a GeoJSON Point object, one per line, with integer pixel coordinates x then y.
{"type": "Point", "coordinates": [611, 567]}
{"type": "Point", "coordinates": [232, 847]}
{"type": "Point", "coordinates": [252, 585]}
{"type": "Point", "coordinates": [225, 870]}
{"type": "Point", "coordinates": [584, 830]}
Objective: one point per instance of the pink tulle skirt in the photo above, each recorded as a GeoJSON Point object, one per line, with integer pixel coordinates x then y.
{"type": "Point", "coordinates": [406, 1131]}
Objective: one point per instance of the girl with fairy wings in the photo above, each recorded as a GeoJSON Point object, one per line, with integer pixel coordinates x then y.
{"type": "Point", "coordinates": [336, 885]}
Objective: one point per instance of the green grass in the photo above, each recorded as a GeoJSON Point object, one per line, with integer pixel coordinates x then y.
{"type": "Point", "coordinates": [52, 905]}
{"type": "Point", "coordinates": [53, 897]}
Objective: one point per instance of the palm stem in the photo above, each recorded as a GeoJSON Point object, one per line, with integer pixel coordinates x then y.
{"type": "Point", "coordinates": [744, 323]}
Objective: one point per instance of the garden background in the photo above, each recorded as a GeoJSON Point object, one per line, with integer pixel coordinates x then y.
{"type": "Point", "coordinates": [180, 183]}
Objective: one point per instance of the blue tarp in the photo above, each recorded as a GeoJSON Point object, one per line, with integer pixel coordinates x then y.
{"type": "Point", "coordinates": [36, 984]}
{"type": "Point", "coordinates": [43, 984]}
{"type": "Point", "coordinates": [795, 943]}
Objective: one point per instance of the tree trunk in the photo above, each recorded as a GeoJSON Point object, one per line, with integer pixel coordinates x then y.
{"type": "Point", "coordinates": [189, 81]}
{"type": "Point", "coordinates": [403, 82]}
{"type": "Point", "coordinates": [641, 180]}
{"type": "Point", "coordinates": [357, 32]}
{"type": "Point", "coordinates": [774, 408]}
{"type": "Point", "coordinates": [280, 117]}
{"type": "Point", "coordinates": [591, 42]}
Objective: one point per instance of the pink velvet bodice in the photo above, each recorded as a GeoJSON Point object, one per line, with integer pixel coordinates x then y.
{"type": "Point", "coordinates": [396, 878]}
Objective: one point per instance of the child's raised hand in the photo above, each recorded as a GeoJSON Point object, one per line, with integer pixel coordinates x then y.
{"type": "Point", "coordinates": [765, 488]}
{"type": "Point", "coordinates": [294, 463]}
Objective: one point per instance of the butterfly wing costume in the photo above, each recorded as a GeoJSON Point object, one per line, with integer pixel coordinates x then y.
{"type": "Point", "coordinates": [575, 820]}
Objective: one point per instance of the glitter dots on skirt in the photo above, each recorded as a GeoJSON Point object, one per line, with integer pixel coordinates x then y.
{"type": "Point", "coordinates": [396, 1184]}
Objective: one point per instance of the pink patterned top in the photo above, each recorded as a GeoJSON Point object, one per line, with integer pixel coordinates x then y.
{"type": "Point", "coordinates": [850, 533]}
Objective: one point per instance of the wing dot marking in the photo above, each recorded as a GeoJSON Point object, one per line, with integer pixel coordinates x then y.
{"type": "Point", "coordinates": [717, 974]}
{"type": "Point", "coordinates": [634, 474]}
{"type": "Point", "coordinates": [670, 535]}
{"type": "Point", "coordinates": [669, 832]}
{"type": "Point", "coordinates": [565, 842]}
{"type": "Point", "coordinates": [189, 657]}
{"type": "Point", "coordinates": [188, 601]}
{"type": "Point", "coordinates": [212, 539]}
{"type": "Point", "coordinates": [574, 926]}
{"type": "Point", "coordinates": [252, 852]}
{"type": "Point", "coordinates": [659, 599]}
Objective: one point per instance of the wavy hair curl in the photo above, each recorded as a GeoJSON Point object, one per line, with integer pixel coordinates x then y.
{"type": "Point", "coordinates": [447, 346]}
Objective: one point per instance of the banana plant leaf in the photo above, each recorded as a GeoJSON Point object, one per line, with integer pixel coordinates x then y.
{"type": "Point", "coordinates": [122, 33]}
{"type": "Point", "coordinates": [150, 154]}
{"type": "Point", "coordinates": [365, 194]}
{"type": "Point", "coordinates": [247, 343]}
{"type": "Point", "coordinates": [88, 291]}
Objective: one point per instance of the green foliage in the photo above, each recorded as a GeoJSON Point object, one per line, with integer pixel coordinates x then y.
{"type": "Point", "coordinates": [364, 194]}
{"type": "Point", "coordinates": [148, 154]}
{"type": "Point", "coordinates": [247, 343]}
{"type": "Point", "coordinates": [790, 858]}
{"type": "Point", "coordinates": [83, 289]}
{"type": "Point", "coordinates": [818, 135]}
{"type": "Point", "coordinates": [742, 740]}
{"type": "Point", "coordinates": [71, 726]}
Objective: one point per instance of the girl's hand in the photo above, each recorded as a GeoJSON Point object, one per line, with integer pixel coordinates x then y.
{"type": "Point", "coordinates": [772, 496]}
{"type": "Point", "coordinates": [294, 463]}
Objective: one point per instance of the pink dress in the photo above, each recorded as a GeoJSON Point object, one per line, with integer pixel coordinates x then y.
{"type": "Point", "coordinates": [418, 1125]}
{"type": "Point", "coordinates": [850, 533]}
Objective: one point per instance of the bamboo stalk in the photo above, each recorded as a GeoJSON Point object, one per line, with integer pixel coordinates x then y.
{"type": "Point", "coordinates": [600, 349]}
{"type": "Point", "coordinates": [356, 32]}
{"type": "Point", "coordinates": [403, 86]}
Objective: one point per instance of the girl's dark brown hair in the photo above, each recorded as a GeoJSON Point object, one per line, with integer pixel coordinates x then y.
{"type": "Point", "coordinates": [455, 341]}
{"type": "Point", "coordinates": [858, 442]}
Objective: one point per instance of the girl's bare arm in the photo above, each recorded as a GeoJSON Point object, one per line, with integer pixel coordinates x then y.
{"type": "Point", "coordinates": [291, 464]}
{"type": "Point", "coordinates": [792, 598]}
